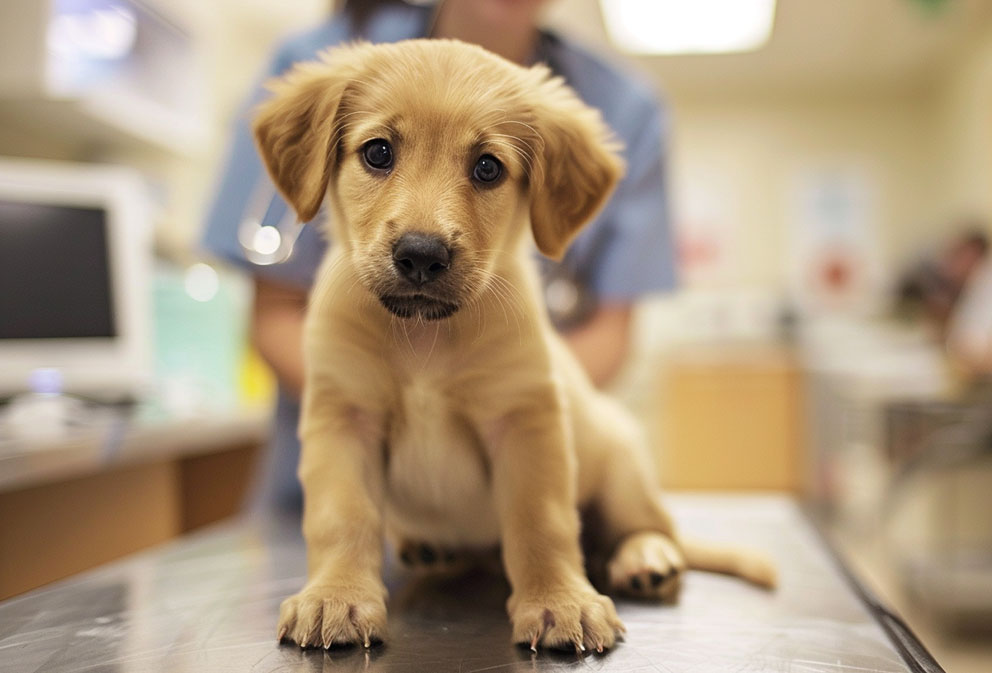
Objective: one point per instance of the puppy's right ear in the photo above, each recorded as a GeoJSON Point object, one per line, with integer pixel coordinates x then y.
{"type": "Point", "coordinates": [296, 129]}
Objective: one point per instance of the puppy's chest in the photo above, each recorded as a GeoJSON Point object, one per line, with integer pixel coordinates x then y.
{"type": "Point", "coordinates": [437, 470]}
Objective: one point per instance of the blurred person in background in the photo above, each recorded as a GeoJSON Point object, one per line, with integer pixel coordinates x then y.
{"type": "Point", "coordinates": [952, 292]}
{"type": "Point", "coordinates": [969, 334]}
{"type": "Point", "coordinates": [931, 288]}
{"type": "Point", "coordinates": [624, 254]}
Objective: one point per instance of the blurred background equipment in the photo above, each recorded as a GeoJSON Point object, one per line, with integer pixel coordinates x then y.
{"type": "Point", "coordinates": [936, 512]}
{"type": "Point", "coordinates": [108, 134]}
{"type": "Point", "coordinates": [100, 69]}
{"type": "Point", "coordinates": [75, 259]}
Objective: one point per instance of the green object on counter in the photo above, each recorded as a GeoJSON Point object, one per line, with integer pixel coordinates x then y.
{"type": "Point", "coordinates": [200, 332]}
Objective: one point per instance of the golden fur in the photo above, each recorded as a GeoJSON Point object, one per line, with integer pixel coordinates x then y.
{"type": "Point", "coordinates": [479, 429]}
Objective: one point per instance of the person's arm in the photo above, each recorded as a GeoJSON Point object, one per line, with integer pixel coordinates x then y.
{"type": "Point", "coordinates": [601, 343]}
{"type": "Point", "coordinates": [277, 330]}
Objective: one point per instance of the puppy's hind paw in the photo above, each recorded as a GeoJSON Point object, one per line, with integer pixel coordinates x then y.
{"type": "Point", "coordinates": [648, 566]}
{"type": "Point", "coordinates": [425, 556]}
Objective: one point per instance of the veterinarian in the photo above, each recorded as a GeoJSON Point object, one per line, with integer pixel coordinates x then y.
{"type": "Point", "coordinates": [625, 253]}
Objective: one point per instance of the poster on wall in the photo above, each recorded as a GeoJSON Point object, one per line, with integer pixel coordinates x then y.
{"type": "Point", "coordinates": [706, 228]}
{"type": "Point", "coordinates": [834, 252]}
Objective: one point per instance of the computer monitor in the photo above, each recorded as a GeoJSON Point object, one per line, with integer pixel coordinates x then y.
{"type": "Point", "coordinates": [75, 260]}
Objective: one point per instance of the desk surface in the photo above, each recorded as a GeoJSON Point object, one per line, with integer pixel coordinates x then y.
{"type": "Point", "coordinates": [123, 436]}
{"type": "Point", "coordinates": [209, 603]}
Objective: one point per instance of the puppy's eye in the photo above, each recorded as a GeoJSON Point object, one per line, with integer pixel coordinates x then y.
{"type": "Point", "coordinates": [378, 154]}
{"type": "Point", "coordinates": [487, 169]}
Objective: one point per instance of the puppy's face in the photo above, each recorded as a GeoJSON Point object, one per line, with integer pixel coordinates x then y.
{"type": "Point", "coordinates": [435, 155]}
{"type": "Point", "coordinates": [430, 186]}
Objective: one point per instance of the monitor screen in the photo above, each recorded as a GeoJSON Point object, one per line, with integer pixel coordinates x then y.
{"type": "Point", "coordinates": [54, 272]}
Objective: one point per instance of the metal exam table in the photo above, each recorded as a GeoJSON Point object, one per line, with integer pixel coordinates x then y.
{"type": "Point", "coordinates": [209, 602]}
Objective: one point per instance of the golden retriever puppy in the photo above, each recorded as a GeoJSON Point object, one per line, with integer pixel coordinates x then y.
{"type": "Point", "coordinates": [440, 407]}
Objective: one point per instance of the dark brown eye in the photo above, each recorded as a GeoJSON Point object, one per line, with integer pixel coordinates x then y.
{"type": "Point", "coordinates": [378, 154]}
{"type": "Point", "coordinates": [487, 169]}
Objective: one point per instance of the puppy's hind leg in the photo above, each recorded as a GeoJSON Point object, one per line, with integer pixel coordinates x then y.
{"type": "Point", "coordinates": [631, 524]}
{"type": "Point", "coordinates": [647, 556]}
{"type": "Point", "coordinates": [650, 564]}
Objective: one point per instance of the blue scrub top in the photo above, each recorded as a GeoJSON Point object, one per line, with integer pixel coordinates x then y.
{"type": "Point", "coordinates": [626, 252]}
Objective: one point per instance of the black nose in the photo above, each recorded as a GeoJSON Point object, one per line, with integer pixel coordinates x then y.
{"type": "Point", "coordinates": [420, 258]}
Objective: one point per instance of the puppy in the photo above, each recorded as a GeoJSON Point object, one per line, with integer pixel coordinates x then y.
{"type": "Point", "coordinates": [440, 407]}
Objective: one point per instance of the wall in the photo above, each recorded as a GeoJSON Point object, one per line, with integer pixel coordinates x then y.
{"type": "Point", "coordinates": [965, 116]}
{"type": "Point", "coordinates": [735, 164]}
{"type": "Point", "coordinates": [897, 94]}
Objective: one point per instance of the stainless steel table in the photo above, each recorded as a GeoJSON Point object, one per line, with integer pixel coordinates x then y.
{"type": "Point", "coordinates": [209, 603]}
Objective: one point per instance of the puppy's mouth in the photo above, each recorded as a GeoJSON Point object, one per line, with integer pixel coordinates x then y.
{"type": "Point", "coordinates": [418, 305]}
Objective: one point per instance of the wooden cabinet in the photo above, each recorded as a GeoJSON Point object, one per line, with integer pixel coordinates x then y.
{"type": "Point", "coordinates": [65, 509]}
{"type": "Point", "coordinates": [732, 419]}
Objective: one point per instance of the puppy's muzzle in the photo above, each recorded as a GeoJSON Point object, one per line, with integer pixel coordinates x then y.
{"type": "Point", "coordinates": [421, 258]}
{"type": "Point", "coordinates": [426, 288]}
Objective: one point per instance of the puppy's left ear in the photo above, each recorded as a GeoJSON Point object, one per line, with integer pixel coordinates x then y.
{"type": "Point", "coordinates": [576, 169]}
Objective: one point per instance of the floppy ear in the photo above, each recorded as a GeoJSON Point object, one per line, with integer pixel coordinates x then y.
{"type": "Point", "coordinates": [296, 129]}
{"type": "Point", "coordinates": [576, 170]}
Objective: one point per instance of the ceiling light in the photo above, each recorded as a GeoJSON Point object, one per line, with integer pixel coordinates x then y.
{"type": "Point", "coordinates": [688, 26]}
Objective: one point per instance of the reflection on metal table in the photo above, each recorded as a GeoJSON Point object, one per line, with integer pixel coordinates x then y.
{"type": "Point", "coordinates": [209, 602]}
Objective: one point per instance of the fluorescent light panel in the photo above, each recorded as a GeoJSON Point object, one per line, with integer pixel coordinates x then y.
{"type": "Point", "coordinates": [688, 26]}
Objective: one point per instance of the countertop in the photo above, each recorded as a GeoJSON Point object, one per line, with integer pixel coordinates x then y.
{"type": "Point", "coordinates": [209, 602]}
{"type": "Point", "coordinates": [119, 436]}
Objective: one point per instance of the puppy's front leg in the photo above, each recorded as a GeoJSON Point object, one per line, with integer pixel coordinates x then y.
{"type": "Point", "coordinates": [341, 471]}
{"type": "Point", "coordinates": [534, 486]}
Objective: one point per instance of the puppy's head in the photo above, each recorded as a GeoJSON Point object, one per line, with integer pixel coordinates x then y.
{"type": "Point", "coordinates": [435, 155]}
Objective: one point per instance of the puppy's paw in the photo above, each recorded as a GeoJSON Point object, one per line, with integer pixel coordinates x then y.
{"type": "Point", "coordinates": [325, 615]}
{"type": "Point", "coordinates": [425, 556]}
{"type": "Point", "coordinates": [565, 619]}
{"type": "Point", "coordinates": [647, 565]}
